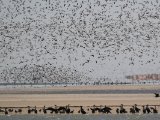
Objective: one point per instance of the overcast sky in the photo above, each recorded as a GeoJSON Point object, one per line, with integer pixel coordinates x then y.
{"type": "Point", "coordinates": [99, 38]}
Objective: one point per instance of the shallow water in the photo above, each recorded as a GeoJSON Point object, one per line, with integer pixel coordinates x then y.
{"type": "Point", "coordinates": [89, 92]}
{"type": "Point", "coordinates": [104, 92]}
{"type": "Point", "coordinates": [81, 117]}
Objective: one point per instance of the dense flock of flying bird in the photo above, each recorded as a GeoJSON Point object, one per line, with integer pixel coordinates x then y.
{"type": "Point", "coordinates": [53, 40]}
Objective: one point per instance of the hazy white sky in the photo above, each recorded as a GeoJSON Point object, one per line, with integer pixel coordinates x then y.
{"type": "Point", "coordinates": [100, 38]}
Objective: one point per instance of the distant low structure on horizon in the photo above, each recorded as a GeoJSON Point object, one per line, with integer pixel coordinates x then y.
{"type": "Point", "coordinates": [144, 77]}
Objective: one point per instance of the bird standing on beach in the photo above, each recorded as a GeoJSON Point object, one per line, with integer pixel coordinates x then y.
{"type": "Point", "coordinates": [117, 110]}
{"type": "Point", "coordinates": [29, 110]}
{"type": "Point", "coordinates": [137, 110]}
{"type": "Point", "coordinates": [6, 112]}
{"type": "Point", "coordinates": [44, 110]}
{"type": "Point", "coordinates": [144, 109]}
{"type": "Point", "coordinates": [157, 95]}
{"type": "Point", "coordinates": [106, 109]}
{"type": "Point", "coordinates": [154, 109]}
{"type": "Point", "coordinates": [132, 110]}
{"type": "Point", "coordinates": [122, 109]}
{"type": "Point", "coordinates": [148, 109]}
{"type": "Point", "coordinates": [82, 110]}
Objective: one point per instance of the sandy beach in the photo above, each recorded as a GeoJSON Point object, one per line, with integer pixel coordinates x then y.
{"type": "Point", "coordinates": [21, 100]}
{"type": "Point", "coordinates": [9, 98]}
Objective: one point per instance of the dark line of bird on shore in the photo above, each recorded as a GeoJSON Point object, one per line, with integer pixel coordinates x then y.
{"type": "Point", "coordinates": [146, 109]}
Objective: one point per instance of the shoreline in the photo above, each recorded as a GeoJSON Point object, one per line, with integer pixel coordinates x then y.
{"type": "Point", "coordinates": [101, 89]}
{"type": "Point", "coordinates": [85, 87]}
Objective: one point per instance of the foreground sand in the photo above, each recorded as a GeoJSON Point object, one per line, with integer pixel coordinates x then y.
{"type": "Point", "coordinates": [113, 100]}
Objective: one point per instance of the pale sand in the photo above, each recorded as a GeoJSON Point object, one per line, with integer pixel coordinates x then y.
{"type": "Point", "coordinates": [39, 100]}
